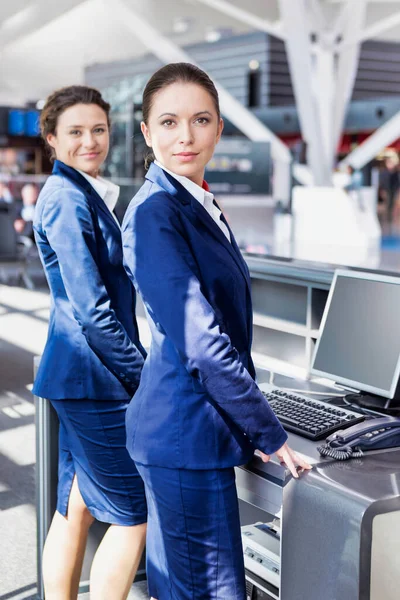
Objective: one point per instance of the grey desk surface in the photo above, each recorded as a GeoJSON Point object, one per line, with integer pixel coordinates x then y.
{"type": "Point", "coordinates": [317, 271]}
{"type": "Point", "coordinates": [376, 475]}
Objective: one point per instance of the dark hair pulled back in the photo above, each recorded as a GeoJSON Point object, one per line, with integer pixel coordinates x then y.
{"type": "Point", "coordinates": [64, 98]}
{"type": "Point", "coordinates": [175, 73]}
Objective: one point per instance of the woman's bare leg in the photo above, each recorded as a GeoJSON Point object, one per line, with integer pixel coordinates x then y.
{"type": "Point", "coordinates": [65, 548]}
{"type": "Point", "coordinates": [116, 562]}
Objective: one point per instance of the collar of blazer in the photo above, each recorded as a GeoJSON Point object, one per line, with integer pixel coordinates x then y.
{"type": "Point", "coordinates": [77, 179]}
{"type": "Point", "coordinates": [174, 188]}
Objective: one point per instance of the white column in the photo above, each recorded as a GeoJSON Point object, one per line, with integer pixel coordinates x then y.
{"type": "Point", "coordinates": [298, 48]}
{"type": "Point", "coordinates": [324, 92]}
{"type": "Point", "coordinates": [347, 63]}
{"type": "Point", "coordinates": [323, 71]}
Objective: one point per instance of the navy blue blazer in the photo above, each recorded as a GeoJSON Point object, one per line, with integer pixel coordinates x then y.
{"type": "Point", "coordinates": [93, 349]}
{"type": "Point", "coordinates": [197, 406]}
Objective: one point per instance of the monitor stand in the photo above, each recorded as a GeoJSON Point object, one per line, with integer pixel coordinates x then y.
{"type": "Point", "coordinates": [374, 402]}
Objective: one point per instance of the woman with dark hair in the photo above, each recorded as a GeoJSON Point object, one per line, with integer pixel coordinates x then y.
{"type": "Point", "coordinates": [93, 358]}
{"type": "Point", "coordinates": [198, 411]}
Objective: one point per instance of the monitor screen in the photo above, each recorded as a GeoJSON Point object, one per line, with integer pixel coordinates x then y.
{"type": "Point", "coordinates": [359, 341]}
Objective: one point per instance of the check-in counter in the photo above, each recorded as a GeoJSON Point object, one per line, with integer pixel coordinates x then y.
{"type": "Point", "coordinates": [288, 302]}
{"type": "Point", "coordinates": [340, 523]}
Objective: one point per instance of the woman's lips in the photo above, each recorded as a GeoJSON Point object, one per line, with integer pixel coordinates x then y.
{"type": "Point", "coordinates": [90, 154]}
{"type": "Point", "coordinates": [186, 156]}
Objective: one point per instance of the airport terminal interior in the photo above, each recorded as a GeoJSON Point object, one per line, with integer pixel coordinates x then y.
{"type": "Point", "coordinates": [307, 175]}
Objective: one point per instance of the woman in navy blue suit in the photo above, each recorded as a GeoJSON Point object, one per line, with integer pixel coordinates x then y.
{"type": "Point", "coordinates": [93, 358]}
{"type": "Point", "coordinates": [198, 411]}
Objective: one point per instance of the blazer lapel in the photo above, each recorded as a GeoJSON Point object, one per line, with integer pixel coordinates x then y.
{"type": "Point", "coordinates": [238, 255]}
{"type": "Point", "coordinates": [61, 168]}
{"type": "Point", "coordinates": [246, 273]}
{"type": "Point", "coordinates": [231, 246]}
{"type": "Point", "coordinates": [176, 189]}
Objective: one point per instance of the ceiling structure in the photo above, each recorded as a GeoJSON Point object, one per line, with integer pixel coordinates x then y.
{"type": "Point", "coordinates": [46, 44]}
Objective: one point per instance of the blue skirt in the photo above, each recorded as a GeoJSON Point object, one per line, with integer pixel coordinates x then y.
{"type": "Point", "coordinates": [92, 446]}
{"type": "Point", "coordinates": [194, 547]}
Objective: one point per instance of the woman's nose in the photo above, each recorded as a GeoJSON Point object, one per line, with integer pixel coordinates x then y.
{"type": "Point", "coordinates": [186, 134]}
{"type": "Point", "coordinates": [89, 140]}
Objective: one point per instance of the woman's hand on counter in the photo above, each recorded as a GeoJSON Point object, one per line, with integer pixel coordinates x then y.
{"type": "Point", "coordinates": [288, 457]}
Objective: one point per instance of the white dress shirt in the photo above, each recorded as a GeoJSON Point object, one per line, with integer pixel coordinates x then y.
{"type": "Point", "coordinates": [205, 198]}
{"type": "Point", "coordinates": [108, 191]}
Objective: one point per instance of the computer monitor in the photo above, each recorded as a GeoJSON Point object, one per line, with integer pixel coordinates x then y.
{"type": "Point", "coordinates": [359, 341]}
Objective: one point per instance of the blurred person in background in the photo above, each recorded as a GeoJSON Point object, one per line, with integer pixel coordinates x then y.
{"type": "Point", "coordinates": [5, 194]}
{"type": "Point", "coordinates": [93, 358]}
{"type": "Point", "coordinates": [355, 183]}
{"type": "Point", "coordinates": [390, 184]}
{"type": "Point", "coordinates": [23, 224]}
{"type": "Point", "coordinates": [9, 162]}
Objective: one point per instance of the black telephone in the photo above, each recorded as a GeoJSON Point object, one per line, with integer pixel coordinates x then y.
{"type": "Point", "coordinates": [372, 434]}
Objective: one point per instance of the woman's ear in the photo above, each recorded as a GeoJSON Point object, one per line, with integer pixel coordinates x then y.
{"type": "Point", "coordinates": [146, 133]}
{"type": "Point", "coordinates": [220, 129]}
{"type": "Point", "coordinates": [50, 139]}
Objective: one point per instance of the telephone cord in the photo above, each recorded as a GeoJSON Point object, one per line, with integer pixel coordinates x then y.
{"type": "Point", "coordinates": [344, 453]}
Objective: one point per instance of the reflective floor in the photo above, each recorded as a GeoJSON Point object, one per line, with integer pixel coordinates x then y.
{"type": "Point", "coordinates": [23, 332]}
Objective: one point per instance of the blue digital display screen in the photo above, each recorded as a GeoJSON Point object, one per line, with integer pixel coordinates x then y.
{"type": "Point", "coordinates": [32, 123]}
{"type": "Point", "coordinates": [23, 122]}
{"type": "Point", "coordinates": [16, 122]}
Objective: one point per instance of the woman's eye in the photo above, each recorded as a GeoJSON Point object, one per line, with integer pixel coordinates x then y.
{"type": "Point", "coordinates": [203, 120]}
{"type": "Point", "coordinates": [75, 132]}
{"type": "Point", "coordinates": [99, 130]}
{"type": "Point", "coordinates": [167, 123]}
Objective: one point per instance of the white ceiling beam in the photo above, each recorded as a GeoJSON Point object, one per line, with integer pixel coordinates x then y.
{"type": "Point", "coordinates": [9, 9]}
{"type": "Point", "coordinates": [227, 8]}
{"type": "Point", "coordinates": [374, 30]}
{"type": "Point", "coordinates": [377, 141]}
{"type": "Point", "coordinates": [167, 51]}
{"type": "Point", "coordinates": [380, 27]}
{"type": "Point", "coordinates": [33, 17]}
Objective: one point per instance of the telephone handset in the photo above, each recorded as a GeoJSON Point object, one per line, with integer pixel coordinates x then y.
{"type": "Point", "coordinates": [372, 434]}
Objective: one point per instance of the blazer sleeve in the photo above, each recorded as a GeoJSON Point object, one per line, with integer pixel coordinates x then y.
{"type": "Point", "coordinates": [159, 259]}
{"type": "Point", "coordinates": [67, 222]}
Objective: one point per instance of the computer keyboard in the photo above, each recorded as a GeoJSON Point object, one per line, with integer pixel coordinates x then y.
{"type": "Point", "coordinates": [313, 419]}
